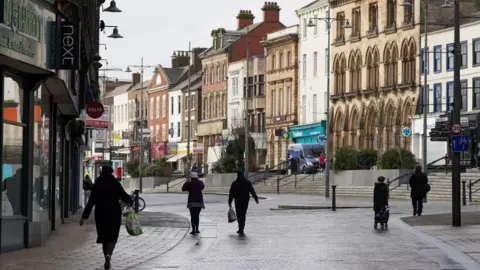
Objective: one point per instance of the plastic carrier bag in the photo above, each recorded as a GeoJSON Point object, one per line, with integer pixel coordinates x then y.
{"type": "Point", "coordinates": [133, 226]}
{"type": "Point", "coordinates": [232, 217]}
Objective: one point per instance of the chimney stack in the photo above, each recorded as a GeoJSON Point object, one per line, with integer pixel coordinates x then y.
{"type": "Point", "coordinates": [271, 12]}
{"type": "Point", "coordinates": [244, 17]}
{"type": "Point", "coordinates": [180, 59]}
{"type": "Point", "coordinates": [135, 78]}
{"type": "Point", "coordinates": [196, 61]}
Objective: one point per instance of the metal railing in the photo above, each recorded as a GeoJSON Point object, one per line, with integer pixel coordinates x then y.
{"type": "Point", "coordinates": [278, 168]}
{"type": "Point", "coordinates": [296, 181]}
{"type": "Point", "coordinates": [176, 184]}
{"type": "Point", "coordinates": [397, 179]}
{"type": "Point", "coordinates": [470, 189]}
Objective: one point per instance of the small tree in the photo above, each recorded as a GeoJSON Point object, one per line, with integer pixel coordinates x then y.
{"type": "Point", "coordinates": [232, 157]}
{"type": "Point", "coordinates": [367, 158]}
{"type": "Point", "coordinates": [345, 159]}
{"type": "Point", "coordinates": [397, 158]}
{"type": "Point", "coordinates": [132, 167]}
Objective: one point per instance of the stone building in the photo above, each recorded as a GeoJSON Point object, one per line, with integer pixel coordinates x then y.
{"type": "Point", "coordinates": [376, 89]}
{"type": "Point", "coordinates": [281, 91]}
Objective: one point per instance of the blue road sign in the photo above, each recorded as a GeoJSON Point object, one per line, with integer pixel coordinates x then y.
{"type": "Point", "coordinates": [460, 143]}
{"type": "Point", "coordinates": [321, 138]}
{"type": "Point", "coordinates": [406, 131]}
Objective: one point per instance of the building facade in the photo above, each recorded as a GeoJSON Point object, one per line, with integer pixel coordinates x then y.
{"type": "Point", "coordinates": [121, 134]}
{"type": "Point", "coordinates": [42, 139]}
{"type": "Point", "coordinates": [229, 47]}
{"type": "Point", "coordinates": [281, 91]}
{"type": "Point", "coordinates": [440, 83]}
{"type": "Point", "coordinates": [312, 70]}
{"type": "Point", "coordinates": [375, 73]}
{"type": "Point", "coordinates": [138, 121]}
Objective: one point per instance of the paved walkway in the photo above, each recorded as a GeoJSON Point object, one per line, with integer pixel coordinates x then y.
{"type": "Point", "coordinates": [286, 239]}
{"type": "Point", "coordinates": [74, 247]}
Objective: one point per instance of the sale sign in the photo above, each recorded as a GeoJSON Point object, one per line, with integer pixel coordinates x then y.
{"type": "Point", "coordinates": [102, 122]}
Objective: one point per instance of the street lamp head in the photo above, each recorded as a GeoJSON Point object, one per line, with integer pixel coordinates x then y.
{"type": "Point", "coordinates": [115, 34]}
{"type": "Point", "coordinates": [347, 24]}
{"type": "Point", "coordinates": [446, 5]}
{"type": "Point", "coordinates": [128, 70]}
{"type": "Point", "coordinates": [406, 4]}
{"type": "Point", "coordinates": [113, 7]}
{"type": "Point", "coordinates": [310, 23]}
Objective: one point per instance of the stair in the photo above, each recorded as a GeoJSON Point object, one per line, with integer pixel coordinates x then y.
{"type": "Point", "coordinates": [306, 184]}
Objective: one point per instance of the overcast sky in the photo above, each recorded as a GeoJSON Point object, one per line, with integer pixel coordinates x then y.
{"type": "Point", "coordinates": [155, 28]}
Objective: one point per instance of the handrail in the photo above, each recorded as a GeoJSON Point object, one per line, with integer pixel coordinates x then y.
{"type": "Point", "coordinates": [389, 182]}
{"type": "Point", "coordinates": [269, 169]}
{"type": "Point", "coordinates": [299, 180]}
{"type": "Point", "coordinates": [183, 176]}
{"type": "Point", "coordinates": [470, 185]}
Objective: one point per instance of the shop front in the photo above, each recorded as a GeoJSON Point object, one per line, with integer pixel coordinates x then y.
{"type": "Point", "coordinates": [307, 133]}
{"type": "Point", "coordinates": [37, 153]}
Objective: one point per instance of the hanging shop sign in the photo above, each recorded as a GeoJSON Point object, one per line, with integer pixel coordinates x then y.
{"type": "Point", "coordinates": [101, 122]}
{"type": "Point", "coordinates": [95, 109]}
{"type": "Point", "coordinates": [64, 49]}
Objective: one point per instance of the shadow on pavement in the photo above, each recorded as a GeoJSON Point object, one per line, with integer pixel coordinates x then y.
{"type": "Point", "coordinates": [468, 218]}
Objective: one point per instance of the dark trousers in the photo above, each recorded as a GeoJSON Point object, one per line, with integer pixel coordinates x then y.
{"type": "Point", "coordinates": [108, 248]}
{"type": "Point", "coordinates": [241, 209]}
{"type": "Point", "coordinates": [417, 203]}
{"type": "Point", "coordinates": [195, 217]}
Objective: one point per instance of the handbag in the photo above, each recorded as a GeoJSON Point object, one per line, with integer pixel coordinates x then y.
{"type": "Point", "coordinates": [232, 217]}
{"type": "Point", "coordinates": [427, 188]}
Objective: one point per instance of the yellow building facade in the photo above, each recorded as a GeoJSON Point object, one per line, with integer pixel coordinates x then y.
{"type": "Point", "coordinates": [375, 73]}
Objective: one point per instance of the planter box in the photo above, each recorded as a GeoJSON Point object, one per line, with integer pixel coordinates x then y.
{"type": "Point", "coordinates": [357, 178]}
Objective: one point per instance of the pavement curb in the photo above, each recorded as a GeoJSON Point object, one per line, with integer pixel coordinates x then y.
{"type": "Point", "coordinates": [451, 251]}
{"type": "Point", "coordinates": [316, 207]}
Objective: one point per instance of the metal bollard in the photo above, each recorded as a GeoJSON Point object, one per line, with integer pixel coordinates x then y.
{"type": "Point", "coordinates": [278, 184]}
{"type": "Point", "coordinates": [168, 184]}
{"type": "Point", "coordinates": [334, 199]}
{"type": "Point", "coordinates": [464, 192]}
{"type": "Point", "coordinates": [135, 200]}
{"type": "Point", "coordinates": [295, 181]}
{"type": "Point", "coordinates": [470, 190]}
{"type": "Point", "coordinates": [313, 177]}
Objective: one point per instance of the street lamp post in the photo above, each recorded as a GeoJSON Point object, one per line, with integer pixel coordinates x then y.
{"type": "Point", "coordinates": [426, 65]}
{"type": "Point", "coordinates": [457, 106]}
{"type": "Point", "coordinates": [189, 129]}
{"type": "Point", "coordinates": [142, 67]}
{"type": "Point", "coordinates": [328, 21]}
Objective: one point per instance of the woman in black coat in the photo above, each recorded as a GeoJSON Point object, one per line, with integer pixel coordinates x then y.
{"type": "Point", "coordinates": [418, 186]}
{"type": "Point", "coordinates": [106, 195]}
{"type": "Point", "coordinates": [380, 195]}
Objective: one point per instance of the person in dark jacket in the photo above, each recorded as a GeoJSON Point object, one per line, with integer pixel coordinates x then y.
{"type": "Point", "coordinates": [240, 191]}
{"type": "Point", "coordinates": [13, 186]}
{"type": "Point", "coordinates": [106, 195]}
{"type": "Point", "coordinates": [418, 183]}
{"type": "Point", "coordinates": [194, 186]}
{"type": "Point", "coordinates": [380, 195]}
{"type": "Point", "coordinates": [87, 187]}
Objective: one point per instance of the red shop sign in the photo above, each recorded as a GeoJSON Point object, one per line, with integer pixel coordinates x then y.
{"type": "Point", "coordinates": [95, 109]}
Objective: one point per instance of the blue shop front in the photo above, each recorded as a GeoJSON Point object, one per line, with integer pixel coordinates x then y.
{"type": "Point", "coordinates": [308, 133]}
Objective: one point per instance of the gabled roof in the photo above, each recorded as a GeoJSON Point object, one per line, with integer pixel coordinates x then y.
{"type": "Point", "coordinates": [175, 74]}
{"type": "Point", "coordinates": [183, 85]}
{"type": "Point", "coordinates": [139, 86]}
{"type": "Point", "coordinates": [119, 90]}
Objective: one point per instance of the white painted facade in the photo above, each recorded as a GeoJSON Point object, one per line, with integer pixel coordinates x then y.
{"type": "Point", "coordinates": [120, 118]}
{"type": "Point", "coordinates": [440, 81]}
{"type": "Point", "coordinates": [175, 115]}
{"type": "Point", "coordinates": [235, 97]}
{"type": "Point", "coordinates": [312, 58]}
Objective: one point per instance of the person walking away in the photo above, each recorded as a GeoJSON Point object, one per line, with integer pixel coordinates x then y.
{"type": "Point", "coordinates": [240, 191]}
{"type": "Point", "coordinates": [13, 186]}
{"type": "Point", "coordinates": [322, 160]}
{"type": "Point", "coordinates": [194, 186]}
{"type": "Point", "coordinates": [106, 195]}
{"type": "Point", "coordinates": [87, 187]}
{"type": "Point", "coordinates": [380, 195]}
{"type": "Point", "coordinates": [418, 186]}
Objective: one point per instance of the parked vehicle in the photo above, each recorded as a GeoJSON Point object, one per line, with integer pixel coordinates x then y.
{"type": "Point", "coordinates": [308, 155]}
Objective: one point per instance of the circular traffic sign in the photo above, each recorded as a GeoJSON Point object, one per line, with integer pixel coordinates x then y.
{"type": "Point", "coordinates": [456, 128]}
{"type": "Point", "coordinates": [406, 131]}
{"type": "Point", "coordinates": [95, 109]}
{"type": "Point", "coordinates": [321, 138]}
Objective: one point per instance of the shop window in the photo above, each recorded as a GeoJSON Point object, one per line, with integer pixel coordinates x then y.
{"type": "Point", "coordinates": [41, 151]}
{"type": "Point", "coordinates": [58, 167]}
{"type": "Point", "coordinates": [13, 125]}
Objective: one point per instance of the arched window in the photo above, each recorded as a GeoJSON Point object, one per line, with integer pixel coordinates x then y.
{"type": "Point", "coordinates": [386, 65]}
{"type": "Point", "coordinates": [406, 65]}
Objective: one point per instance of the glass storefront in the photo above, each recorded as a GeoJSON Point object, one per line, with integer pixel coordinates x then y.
{"type": "Point", "coordinates": [41, 155]}
{"type": "Point", "coordinates": [13, 126]}
{"type": "Point", "coordinates": [58, 166]}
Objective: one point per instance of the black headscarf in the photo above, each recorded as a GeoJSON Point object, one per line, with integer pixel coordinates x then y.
{"type": "Point", "coordinates": [240, 175]}
{"type": "Point", "coordinates": [106, 171]}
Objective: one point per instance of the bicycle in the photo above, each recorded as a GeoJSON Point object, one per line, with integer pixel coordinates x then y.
{"type": "Point", "coordinates": [141, 201]}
